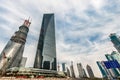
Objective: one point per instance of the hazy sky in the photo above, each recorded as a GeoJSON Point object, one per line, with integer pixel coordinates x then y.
{"type": "Point", "coordinates": [82, 27]}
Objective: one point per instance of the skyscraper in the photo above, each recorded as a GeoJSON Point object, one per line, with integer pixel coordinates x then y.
{"type": "Point", "coordinates": [63, 67]}
{"type": "Point", "coordinates": [23, 61]}
{"type": "Point", "coordinates": [46, 49]}
{"type": "Point", "coordinates": [116, 41]}
{"type": "Point", "coordinates": [114, 56]}
{"type": "Point", "coordinates": [68, 72]}
{"type": "Point", "coordinates": [105, 73]}
{"type": "Point", "coordinates": [85, 75]}
{"type": "Point", "coordinates": [102, 69]}
{"type": "Point", "coordinates": [80, 70]}
{"type": "Point", "coordinates": [90, 72]}
{"type": "Point", "coordinates": [11, 55]}
{"type": "Point", "coordinates": [72, 70]}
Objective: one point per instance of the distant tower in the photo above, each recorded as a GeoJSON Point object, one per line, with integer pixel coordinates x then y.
{"type": "Point", "coordinates": [46, 49]}
{"type": "Point", "coordinates": [105, 73]}
{"type": "Point", "coordinates": [90, 72]}
{"type": "Point", "coordinates": [11, 55]}
{"type": "Point", "coordinates": [85, 75]}
{"type": "Point", "coordinates": [23, 61]}
{"type": "Point", "coordinates": [116, 41]}
{"type": "Point", "coordinates": [114, 56]}
{"type": "Point", "coordinates": [102, 69]}
{"type": "Point", "coordinates": [80, 70]}
{"type": "Point", "coordinates": [72, 70]}
{"type": "Point", "coordinates": [68, 72]}
{"type": "Point", "coordinates": [63, 67]}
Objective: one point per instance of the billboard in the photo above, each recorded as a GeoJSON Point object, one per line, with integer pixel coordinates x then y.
{"type": "Point", "coordinates": [111, 64]}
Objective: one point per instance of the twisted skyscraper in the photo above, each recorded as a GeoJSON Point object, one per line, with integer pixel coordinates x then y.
{"type": "Point", "coordinates": [46, 49]}
{"type": "Point", "coordinates": [11, 55]}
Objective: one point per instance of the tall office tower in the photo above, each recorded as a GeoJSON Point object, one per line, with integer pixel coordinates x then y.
{"type": "Point", "coordinates": [68, 72]}
{"type": "Point", "coordinates": [72, 70]}
{"type": "Point", "coordinates": [115, 40]}
{"type": "Point", "coordinates": [85, 75]}
{"type": "Point", "coordinates": [11, 55]}
{"type": "Point", "coordinates": [23, 61]}
{"type": "Point", "coordinates": [109, 71]}
{"type": "Point", "coordinates": [46, 49]}
{"type": "Point", "coordinates": [80, 70]}
{"type": "Point", "coordinates": [63, 67]}
{"type": "Point", "coordinates": [103, 69]}
{"type": "Point", "coordinates": [90, 72]}
{"type": "Point", "coordinates": [114, 56]}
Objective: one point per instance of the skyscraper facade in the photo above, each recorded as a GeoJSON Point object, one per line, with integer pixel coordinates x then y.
{"type": "Point", "coordinates": [114, 56]}
{"type": "Point", "coordinates": [11, 55]}
{"type": "Point", "coordinates": [90, 72]}
{"type": "Point", "coordinates": [116, 41]}
{"type": "Point", "coordinates": [72, 70]}
{"type": "Point", "coordinates": [107, 73]}
{"type": "Point", "coordinates": [68, 72]}
{"type": "Point", "coordinates": [102, 69]}
{"type": "Point", "coordinates": [23, 61]}
{"type": "Point", "coordinates": [63, 67]}
{"type": "Point", "coordinates": [80, 70]}
{"type": "Point", "coordinates": [85, 75]}
{"type": "Point", "coordinates": [46, 49]}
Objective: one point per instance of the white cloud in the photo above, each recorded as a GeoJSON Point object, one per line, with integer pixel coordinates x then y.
{"type": "Point", "coordinates": [98, 4]}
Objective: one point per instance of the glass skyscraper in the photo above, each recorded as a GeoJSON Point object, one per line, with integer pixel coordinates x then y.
{"type": "Point", "coordinates": [46, 49]}
{"type": "Point", "coordinates": [102, 69]}
{"type": "Point", "coordinates": [114, 56]}
{"type": "Point", "coordinates": [63, 67]}
{"type": "Point", "coordinates": [116, 41]}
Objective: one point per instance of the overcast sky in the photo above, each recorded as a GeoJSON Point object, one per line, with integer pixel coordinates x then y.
{"type": "Point", "coordinates": [82, 28]}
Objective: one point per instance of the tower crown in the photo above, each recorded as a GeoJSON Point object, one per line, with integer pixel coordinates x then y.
{"type": "Point", "coordinates": [27, 23]}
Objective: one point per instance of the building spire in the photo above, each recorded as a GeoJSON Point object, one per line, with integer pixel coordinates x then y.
{"type": "Point", "coordinates": [27, 22]}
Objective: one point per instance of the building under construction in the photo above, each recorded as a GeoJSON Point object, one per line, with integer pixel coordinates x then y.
{"type": "Point", "coordinates": [12, 54]}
